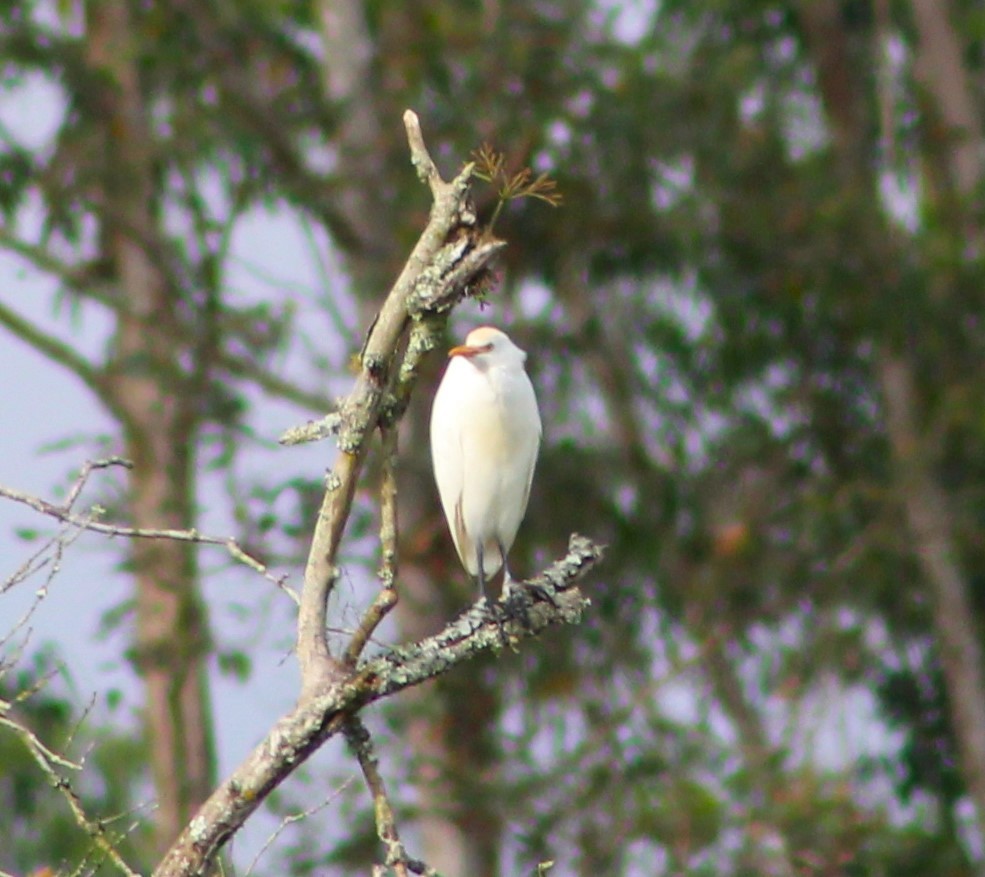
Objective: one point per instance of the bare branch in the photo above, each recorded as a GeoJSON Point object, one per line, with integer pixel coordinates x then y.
{"type": "Point", "coordinates": [313, 430]}
{"type": "Point", "coordinates": [357, 736]}
{"type": "Point", "coordinates": [33, 742]}
{"type": "Point", "coordinates": [291, 819]}
{"type": "Point", "coordinates": [426, 169]}
{"type": "Point", "coordinates": [449, 237]}
{"type": "Point", "coordinates": [450, 261]}
{"type": "Point", "coordinates": [440, 288]}
{"type": "Point", "coordinates": [386, 599]}
{"type": "Point", "coordinates": [389, 527]}
{"type": "Point", "coordinates": [40, 559]}
{"type": "Point", "coordinates": [34, 564]}
{"type": "Point", "coordinates": [481, 628]}
{"type": "Point", "coordinates": [87, 469]}
{"type": "Point", "coordinates": [321, 715]}
{"type": "Point", "coordinates": [64, 514]}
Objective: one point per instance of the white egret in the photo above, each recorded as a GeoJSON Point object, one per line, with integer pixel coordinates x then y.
{"type": "Point", "coordinates": [485, 434]}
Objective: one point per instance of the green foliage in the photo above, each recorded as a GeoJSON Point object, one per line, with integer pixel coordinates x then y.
{"type": "Point", "coordinates": [15, 174]}
{"type": "Point", "coordinates": [235, 663]}
{"type": "Point", "coordinates": [721, 287]}
{"type": "Point", "coordinates": [915, 701]}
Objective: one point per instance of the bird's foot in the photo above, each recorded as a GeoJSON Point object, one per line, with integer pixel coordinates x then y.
{"type": "Point", "coordinates": [501, 616]}
{"type": "Point", "coordinates": [494, 612]}
{"type": "Point", "coordinates": [515, 605]}
{"type": "Point", "coordinates": [513, 593]}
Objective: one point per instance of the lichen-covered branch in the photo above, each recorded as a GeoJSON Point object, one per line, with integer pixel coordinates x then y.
{"type": "Point", "coordinates": [313, 430]}
{"type": "Point", "coordinates": [451, 260]}
{"type": "Point", "coordinates": [357, 736]}
{"type": "Point", "coordinates": [318, 717]}
{"type": "Point", "coordinates": [386, 598]}
{"type": "Point", "coordinates": [442, 265]}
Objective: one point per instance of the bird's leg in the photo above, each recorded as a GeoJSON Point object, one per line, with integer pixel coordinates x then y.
{"type": "Point", "coordinates": [499, 616]}
{"type": "Point", "coordinates": [507, 578]}
{"type": "Point", "coordinates": [514, 605]}
{"type": "Point", "coordinates": [482, 573]}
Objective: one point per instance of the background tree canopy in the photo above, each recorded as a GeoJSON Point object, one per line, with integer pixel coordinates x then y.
{"type": "Point", "coordinates": [755, 325]}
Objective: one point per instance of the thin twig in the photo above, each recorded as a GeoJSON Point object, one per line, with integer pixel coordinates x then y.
{"type": "Point", "coordinates": [386, 598]}
{"type": "Point", "coordinates": [64, 514]}
{"type": "Point", "coordinates": [59, 544]}
{"type": "Point", "coordinates": [87, 469]}
{"type": "Point", "coordinates": [292, 818]}
{"type": "Point", "coordinates": [78, 724]}
{"type": "Point", "coordinates": [451, 226]}
{"type": "Point", "coordinates": [34, 564]}
{"type": "Point", "coordinates": [32, 740]}
{"type": "Point", "coordinates": [48, 761]}
{"type": "Point", "coordinates": [357, 736]}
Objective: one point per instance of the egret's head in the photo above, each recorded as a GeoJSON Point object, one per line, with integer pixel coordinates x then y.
{"type": "Point", "coordinates": [487, 347]}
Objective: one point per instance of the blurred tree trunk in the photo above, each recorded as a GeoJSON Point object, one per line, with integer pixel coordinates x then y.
{"type": "Point", "coordinates": [931, 524]}
{"type": "Point", "coordinates": [939, 68]}
{"type": "Point", "coordinates": [953, 112]}
{"type": "Point", "coordinates": [449, 722]}
{"type": "Point", "coordinates": [846, 68]}
{"type": "Point", "coordinates": [158, 409]}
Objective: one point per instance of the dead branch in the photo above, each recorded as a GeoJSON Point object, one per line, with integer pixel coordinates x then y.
{"type": "Point", "coordinates": [50, 555]}
{"type": "Point", "coordinates": [293, 818]}
{"type": "Point", "coordinates": [322, 715]}
{"type": "Point", "coordinates": [313, 430]}
{"type": "Point", "coordinates": [449, 261]}
{"type": "Point", "coordinates": [432, 272]}
{"type": "Point", "coordinates": [63, 513]}
{"type": "Point", "coordinates": [357, 736]}
{"type": "Point", "coordinates": [386, 599]}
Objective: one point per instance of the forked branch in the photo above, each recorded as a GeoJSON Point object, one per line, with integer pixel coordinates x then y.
{"type": "Point", "coordinates": [450, 261]}
{"type": "Point", "coordinates": [448, 257]}
{"type": "Point", "coordinates": [321, 716]}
